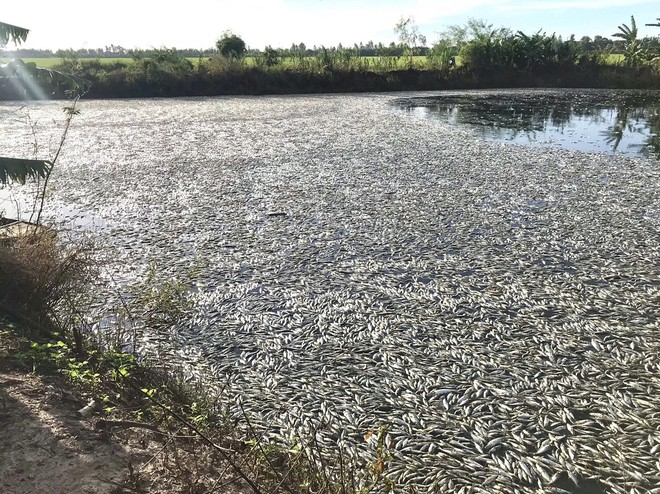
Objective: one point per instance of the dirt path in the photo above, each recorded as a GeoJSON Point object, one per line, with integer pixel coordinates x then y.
{"type": "Point", "coordinates": [45, 446]}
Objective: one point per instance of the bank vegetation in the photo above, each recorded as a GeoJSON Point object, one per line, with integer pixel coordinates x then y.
{"type": "Point", "coordinates": [473, 56]}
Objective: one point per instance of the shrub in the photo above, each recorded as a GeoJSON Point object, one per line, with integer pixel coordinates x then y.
{"type": "Point", "coordinates": [39, 276]}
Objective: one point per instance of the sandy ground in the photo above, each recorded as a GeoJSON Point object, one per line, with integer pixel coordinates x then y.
{"type": "Point", "coordinates": [47, 447]}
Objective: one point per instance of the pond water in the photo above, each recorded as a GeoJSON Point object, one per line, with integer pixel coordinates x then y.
{"type": "Point", "coordinates": [623, 122]}
{"type": "Point", "coordinates": [489, 310]}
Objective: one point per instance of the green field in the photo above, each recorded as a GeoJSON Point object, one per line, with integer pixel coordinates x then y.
{"type": "Point", "coordinates": [48, 63]}
{"type": "Point", "coordinates": [51, 62]}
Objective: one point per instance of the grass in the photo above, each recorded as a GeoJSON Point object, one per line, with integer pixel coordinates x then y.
{"type": "Point", "coordinates": [614, 58]}
{"type": "Point", "coordinates": [50, 62]}
{"type": "Point", "coordinates": [38, 276]}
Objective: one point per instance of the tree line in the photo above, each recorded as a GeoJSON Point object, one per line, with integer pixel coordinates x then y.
{"type": "Point", "coordinates": [474, 55]}
{"type": "Point", "coordinates": [454, 36]}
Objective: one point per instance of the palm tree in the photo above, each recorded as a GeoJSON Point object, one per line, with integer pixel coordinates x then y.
{"type": "Point", "coordinates": [655, 25]}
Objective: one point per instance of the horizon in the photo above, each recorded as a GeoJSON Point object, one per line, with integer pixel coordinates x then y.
{"type": "Point", "coordinates": [281, 23]}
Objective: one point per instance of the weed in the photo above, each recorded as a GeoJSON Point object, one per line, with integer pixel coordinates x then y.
{"type": "Point", "coordinates": [161, 302]}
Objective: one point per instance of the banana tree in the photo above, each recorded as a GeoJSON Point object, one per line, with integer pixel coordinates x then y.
{"type": "Point", "coordinates": [16, 169]}
{"type": "Point", "coordinates": [634, 53]}
{"type": "Point", "coordinates": [18, 72]}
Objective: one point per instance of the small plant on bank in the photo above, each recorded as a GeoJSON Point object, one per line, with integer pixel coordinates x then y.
{"type": "Point", "coordinates": [161, 302]}
{"type": "Point", "coordinates": [270, 57]}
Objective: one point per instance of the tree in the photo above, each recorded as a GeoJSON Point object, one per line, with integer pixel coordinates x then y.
{"type": "Point", "coordinates": [409, 37]}
{"type": "Point", "coordinates": [231, 45]}
{"type": "Point", "coordinates": [270, 56]}
{"type": "Point", "coordinates": [633, 51]}
{"type": "Point", "coordinates": [657, 24]}
{"type": "Point", "coordinates": [441, 55]}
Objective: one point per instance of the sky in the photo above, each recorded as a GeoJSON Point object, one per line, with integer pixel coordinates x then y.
{"type": "Point", "coordinates": [279, 23]}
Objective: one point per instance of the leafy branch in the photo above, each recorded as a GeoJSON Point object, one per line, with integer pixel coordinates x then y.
{"type": "Point", "coordinates": [19, 170]}
{"type": "Point", "coordinates": [15, 34]}
{"type": "Point", "coordinates": [29, 77]}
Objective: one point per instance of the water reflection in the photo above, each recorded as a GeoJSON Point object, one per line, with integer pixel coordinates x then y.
{"type": "Point", "coordinates": [623, 122]}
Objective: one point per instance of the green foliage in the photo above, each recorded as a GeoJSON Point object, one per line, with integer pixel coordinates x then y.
{"type": "Point", "coordinates": [163, 69]}
{"type": "Point", "coordinates": [172, 61]}
{"type": "Point", "coordinates": [633, 50]}
{"type": "Point", "coordinates": [121, 364]}
{"type": "Point", "coordinates": [331, 60]}
{"type": "Point", "coordinates": [268, 58]}
{"type": "Point", "coordinates": [199, 414]}
{"type": "Point", "coordinates": [57, 355]}
{"type": "Point", "coordinates": [441, 55]}
{"type": "Point", "coordinates": [409, 37]}
{"type": "Point", "coordinates": [43, 357]}
{"type": "Point", "coordinates": [163, 302]}
{"type": "Point", "coordinates": [19, 170]}
{"type": "Point", "coordinates": [231, 45]}
{"type": "Point", "coordinates": [503, 52]}
{"type": "Point", "coordinates": [325, 59]}
{"type": "Point", "coordinates": [15, 34]}
{"type": "Point", "coordinates": [82, 373]}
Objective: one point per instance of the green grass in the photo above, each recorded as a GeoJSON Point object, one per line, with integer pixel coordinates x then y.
{"type": "Point", "coordinates": [614, 58]}
{"type": "Point", "coordinates": [419, 61]}
{"type": "Point", "coordinates": [51, 62]}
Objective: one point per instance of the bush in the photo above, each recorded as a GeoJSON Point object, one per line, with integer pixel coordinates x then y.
{"type": "Point", "coordinates": [39, 276]}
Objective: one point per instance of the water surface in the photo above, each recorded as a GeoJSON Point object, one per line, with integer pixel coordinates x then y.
{"type": "Point", "coordinates": [612, 122]}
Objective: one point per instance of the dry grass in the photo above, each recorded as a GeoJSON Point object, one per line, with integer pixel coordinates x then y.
{"type": "Point", "coordinates": [38, 276]}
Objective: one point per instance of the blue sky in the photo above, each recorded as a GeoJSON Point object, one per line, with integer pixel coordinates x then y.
{"type": "Point", "coordinates": [199, 23]}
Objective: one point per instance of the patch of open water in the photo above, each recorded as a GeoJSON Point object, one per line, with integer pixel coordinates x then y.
{"type": "Point", "coordinates": [623, 122]}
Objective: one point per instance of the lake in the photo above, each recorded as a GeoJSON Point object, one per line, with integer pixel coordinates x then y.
{"type": "Point", "coordinates": [489, 308]}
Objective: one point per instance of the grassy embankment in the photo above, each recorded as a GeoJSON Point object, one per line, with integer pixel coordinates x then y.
{"type": "Point", "coordinates": [52, 62]}
{"type": "Point", "coordinates": [170, 74]}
